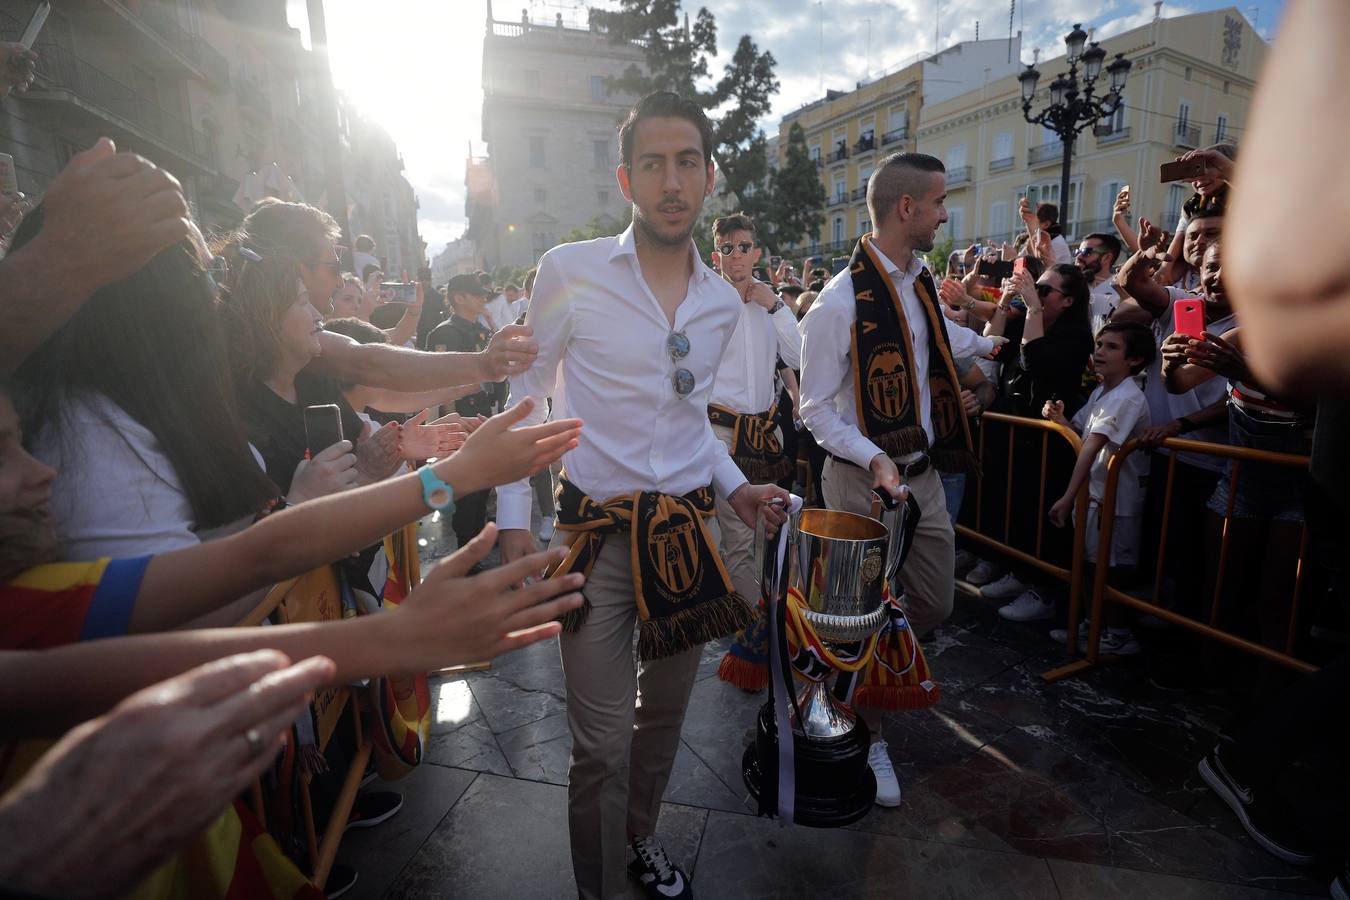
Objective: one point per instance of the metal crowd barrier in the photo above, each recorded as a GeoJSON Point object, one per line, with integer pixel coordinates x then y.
{"type": "Point", "coordinates": [1072, 576]}
{"type": "Point", "coordinates": [1103, 592]}
{"type": "Point", "coordinates": [314, 596]}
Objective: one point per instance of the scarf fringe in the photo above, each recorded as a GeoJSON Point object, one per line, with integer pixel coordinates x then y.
{"type": "Point", "coordinates": [573, 619]}
{"type": "Point", "coordinates": [955, 461]}
{"type": "Point", "coordinates": [897, 697]}
{"type": "Point", "coordinates": [910, 439]}
{"type": "Point", "coordinates": [744, 673]}
{"type": "Point", "coordinates": [760, 472]}
{"type": "Point", "coordinates": [687, 628]}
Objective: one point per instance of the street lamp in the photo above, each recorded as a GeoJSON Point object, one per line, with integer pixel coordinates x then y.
{"type": "Point", "coordinates": [1073, 105]}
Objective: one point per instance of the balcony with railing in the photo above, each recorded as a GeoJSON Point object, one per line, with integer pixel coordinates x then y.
{"type": "Point", "coordinates": [1187, 135]}
{"type": "Point", "coordinates": [252, 98]}
{"type": "Point", "coordinates": [837, 198]}
{"type": "Point", "coordinates": [859, 193]}
{"type": "Point", "coordinates": [960, 176]}
{"type": "Point", "coordinates": [865, 144]}
{"type": "Point", "coordinates": [1107, 135]}
{"type": "Point", "coordinates": [161, 28]}
{"type": "Point", "coordinates": [895, 136]}
{"type": "Point", "coordinates": [1045, 154]}
{"type": "Point", "coordinates": [1001, 165]}
{"type": "Point", "coordinates": [839, 155]}
{"type": "Point", "coordinates": [65, 78]}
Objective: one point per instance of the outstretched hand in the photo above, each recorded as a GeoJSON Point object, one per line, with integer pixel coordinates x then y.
{"type": "Point", "coordinates": [496, 453]}
{"type": "Point", "coordinates": [510, 353]}
{"type": "Point", "coordinates": [464, 619]}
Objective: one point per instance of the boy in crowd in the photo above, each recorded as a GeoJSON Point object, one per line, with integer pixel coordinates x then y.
{"type": "Point", "coordinates": [1115, 413]}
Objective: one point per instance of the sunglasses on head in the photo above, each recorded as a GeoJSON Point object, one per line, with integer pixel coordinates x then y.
{"type": "Point", "coordinates": [743, 248]}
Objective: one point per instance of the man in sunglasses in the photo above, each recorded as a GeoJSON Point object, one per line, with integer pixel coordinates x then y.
{"type": "Point", "coordinates": [743, 410]}
{"type": "Point", "coordinates": [631, 332]}
{"type": "Point", "coordinates": [1096, 257]}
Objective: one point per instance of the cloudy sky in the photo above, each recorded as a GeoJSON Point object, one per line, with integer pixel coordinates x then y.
{"type": "Point", "coordinates": [415, 65]}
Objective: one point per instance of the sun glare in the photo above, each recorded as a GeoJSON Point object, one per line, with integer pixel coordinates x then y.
{"type": "Point", "coordinates": [415, 67]}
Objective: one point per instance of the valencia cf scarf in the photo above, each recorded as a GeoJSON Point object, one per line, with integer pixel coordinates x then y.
{"type": "Point", "coordinates": [754, 447]}
{"type": "Point", "coordinates": [684, 595]}
{"type": "Point", "coordinates": [884, 380]}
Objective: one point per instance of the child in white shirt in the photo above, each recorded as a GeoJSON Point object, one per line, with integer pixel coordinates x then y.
{"type": "Point", "coordinates": [1115, 413]}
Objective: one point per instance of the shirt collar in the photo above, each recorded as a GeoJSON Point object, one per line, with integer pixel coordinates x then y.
{"type": "Point", "coordinates": [910, 273]}
{"type": "Point", "coordinates": [626, 245]}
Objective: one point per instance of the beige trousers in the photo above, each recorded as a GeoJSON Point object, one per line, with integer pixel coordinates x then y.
{"type": "Point", "coordinates": [737, 545]}
{"type": "Point", "coordinates": [625, 719]}
{"type": "Point", "coordinates": [930, 571]}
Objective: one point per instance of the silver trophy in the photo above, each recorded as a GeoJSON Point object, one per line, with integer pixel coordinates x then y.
{"type": "Point", "coordinates": [840, 563]}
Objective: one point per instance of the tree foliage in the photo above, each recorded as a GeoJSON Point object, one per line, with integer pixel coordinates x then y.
{"type": "Point", "coordinates": [679, 61]}
{"type": "Point", "coordinates": [797, 194]}
{"type": "Point", "coordinates": [598, 227]}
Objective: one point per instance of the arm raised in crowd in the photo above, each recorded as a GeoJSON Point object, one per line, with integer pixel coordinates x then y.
{"type": "Point", "coordinates": [104, 217]}
{"type": "Point", "coordinates": [1136, 277]}
{"type": "Point", "coordinates": [510, 354]}
{"type": "Point", "coordinates": [449, 619]}
{"type": "Point", "coordinates": [1297, 318]}
{"type": "Point", "coordinates": [185, 584]}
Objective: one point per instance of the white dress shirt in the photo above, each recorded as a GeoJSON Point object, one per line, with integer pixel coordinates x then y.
{"type": "Point", "coordinates": [499, 308]}
{"type": "Point", "coordinates": [745, 379]}
{"type": "Point", "coordinates": [828, 407]}
{"type": "Point", "coordinates": [602, 358]}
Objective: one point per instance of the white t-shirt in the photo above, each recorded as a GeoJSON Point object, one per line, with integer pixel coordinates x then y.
{"type": "Point", "coordinates": [1120, 414]}
{"type": "Point", "coordinates": [1059, 248]}
{"type": "Point", "coordinates": [1102, 301]}
{"type": "Point", "coordinates": [116, 493]}
{"type": "Point", "coordinates": [1164, 407]}
{"type": "Point", "coordinates": [361, 259]}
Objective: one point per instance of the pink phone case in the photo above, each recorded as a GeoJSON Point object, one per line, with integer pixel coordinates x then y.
{"type": "Point", "coordinates": [1188, 317]}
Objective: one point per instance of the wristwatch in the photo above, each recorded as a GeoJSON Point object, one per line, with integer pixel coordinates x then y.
{"type": "Point", "coordinates": [778, 304]}
{"type": "Point", "coordinates": [436, 494]}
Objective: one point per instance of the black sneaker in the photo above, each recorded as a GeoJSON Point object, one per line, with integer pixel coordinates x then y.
{"type": "Point", "coordinates": [373, 807]}
{"type": "Point", "coordinates": [1340, 888]}
{"type": "Point", "coordinates": [1269, 823]}
{"type": "Point", "coordinates": [661, 878]}
{"type": "Point", "coordinates": [341, 879]}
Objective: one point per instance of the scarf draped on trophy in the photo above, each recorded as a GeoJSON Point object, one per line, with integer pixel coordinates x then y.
{"type": "Point", "coordinates": [684, 595]}
{"type": "Point", "coordinates": [885, 382]}
{"type": "Point", "coordinates": [755, 447]}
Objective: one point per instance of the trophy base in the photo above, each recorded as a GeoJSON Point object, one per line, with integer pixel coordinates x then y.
{"type": "Point", "coordinates": [834, 786]}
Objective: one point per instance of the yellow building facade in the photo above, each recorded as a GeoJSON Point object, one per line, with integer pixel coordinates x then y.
{"type": "Point", "coordinates": [1190, 85]}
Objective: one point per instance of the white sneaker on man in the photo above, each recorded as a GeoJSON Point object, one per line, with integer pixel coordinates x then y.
{"type": "Point", "coordinates": [888, 788]}
{"type": "Point", "coordinates": [1005, 588]}
{"type": "Point", "coordinates": [984, 572]}
{"type": "Point", "coordinates": [965, 560]}
{"type": "Point", "coordinates": [1028, 607]}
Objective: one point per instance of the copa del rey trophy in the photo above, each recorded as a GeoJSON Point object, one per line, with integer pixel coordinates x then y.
{"type": "Point", "coordinates": [824, 581]}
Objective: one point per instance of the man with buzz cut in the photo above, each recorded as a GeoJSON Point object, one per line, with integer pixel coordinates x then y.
{"type": "Point", "coordinates": [631, 331]}
{"type": "Point", "coordinates": [742, 411]}
{"type": "Point", "coordinates": [879, 388]}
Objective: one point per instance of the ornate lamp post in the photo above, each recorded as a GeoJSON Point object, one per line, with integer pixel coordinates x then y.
{"type": "Point", "coordinates": [1073, 104]}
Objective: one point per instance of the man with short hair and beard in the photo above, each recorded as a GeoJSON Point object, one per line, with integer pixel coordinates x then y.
{"type": "Point", "coordinates": [1096, 256]}
{"type": "Point", "coordinates": [880, 391]}
{"type": "Point", "coordinates": [742, 411]}
{"type": "Point", "coordinates": [631, 331]}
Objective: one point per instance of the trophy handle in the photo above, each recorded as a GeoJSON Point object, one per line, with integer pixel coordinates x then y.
{"type": "Point", "coordinates": [901, 518]}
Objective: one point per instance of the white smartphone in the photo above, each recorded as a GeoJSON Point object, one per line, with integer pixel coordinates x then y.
{"type": "Point", "coordinates": [35, 24]}
{"type": "Point", "coordinates": [9, 178]}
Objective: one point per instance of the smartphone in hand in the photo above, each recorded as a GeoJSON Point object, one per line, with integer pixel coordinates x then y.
{"type": "Point", "coordinates": [323, 427]}
{"type": "Point", "coordinates": [1188, 317]}
{"type": "Point", "coordinates": [1182, 170]}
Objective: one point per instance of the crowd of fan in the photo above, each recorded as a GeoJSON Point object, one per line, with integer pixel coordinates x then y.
{"type": "Point", "coordinates": [156, 478]}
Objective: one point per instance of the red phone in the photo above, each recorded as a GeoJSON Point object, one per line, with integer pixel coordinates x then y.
{"type": "Point", "coordinates": [1188, 318]}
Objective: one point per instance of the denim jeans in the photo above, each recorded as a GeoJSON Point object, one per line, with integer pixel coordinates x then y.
{"type": "Point", "coordinates": [954, 488]}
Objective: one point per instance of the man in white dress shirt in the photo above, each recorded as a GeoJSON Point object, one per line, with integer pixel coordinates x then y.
{"type": "Point", "coordinates": [631, 330]}
{"type": "Point", "coordinates": [744, 394]}
{"type": "Point", "coordinates": [911, 398]}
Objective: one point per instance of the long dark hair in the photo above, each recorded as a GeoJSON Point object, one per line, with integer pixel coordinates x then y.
{"type": "Point", "coordinates": [152, 344]}
{"type": "Point", "coordinates": [1075, 287]}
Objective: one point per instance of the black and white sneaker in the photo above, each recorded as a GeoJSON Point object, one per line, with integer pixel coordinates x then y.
{"type": "Point", "coordinates": [660, 878]}
{"type": "Point", "coordinates": [373, 807]}
{"type": "Point", "coordinates": [341, 879]}
{"type": "Point", "coordinates": [1268, 822]}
